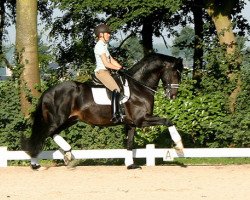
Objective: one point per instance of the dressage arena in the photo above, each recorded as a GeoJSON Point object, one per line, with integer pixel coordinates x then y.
{"type": "Point", "coordinates": [118, 183]}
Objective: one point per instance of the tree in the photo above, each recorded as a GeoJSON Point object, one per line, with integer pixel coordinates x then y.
{"type": "Point", "coordinates": [27, 51]}
{"type": "Point", "coordinates": [5, 20]}
{"type": "Point", "coordinates": [220, 12]}
{"type": "Point", "coordinates": [144, 18]}
{"type": "Point", "coordinates": [198, 47]}
{"type": "Point", "coordinates": [183, 44]}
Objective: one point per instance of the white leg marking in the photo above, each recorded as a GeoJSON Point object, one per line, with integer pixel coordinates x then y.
{"type": "Point", "coordinates": [61, 143]}
{"type": "Point", "coordinates": [174, 134]}
{"type": "Point", "coordinates": [129, 158]}
{"type": "Point", "coordinates": [34, 161]}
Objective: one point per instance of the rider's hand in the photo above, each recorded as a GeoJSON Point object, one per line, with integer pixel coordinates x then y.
{"type": "Point", "coordinates": [122, 70]}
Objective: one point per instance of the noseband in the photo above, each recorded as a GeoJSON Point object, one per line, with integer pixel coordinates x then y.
{"type": "Point", "coordinates": [168, 89]}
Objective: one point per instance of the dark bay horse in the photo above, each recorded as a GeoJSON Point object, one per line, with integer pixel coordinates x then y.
{"type": "Point", "coordinates": [66, 103]}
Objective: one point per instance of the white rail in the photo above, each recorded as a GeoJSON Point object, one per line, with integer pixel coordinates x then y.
{"type": "Point", "coordinates": [150, 153]}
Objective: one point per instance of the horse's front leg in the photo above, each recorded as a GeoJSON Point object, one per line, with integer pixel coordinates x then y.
{"type": "Point", "coordinates": [129, 160]}
{"type": "Point", "coordinates": [155, 120]}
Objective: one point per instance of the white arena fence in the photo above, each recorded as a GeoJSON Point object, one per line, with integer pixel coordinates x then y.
{"type": "Point", "coordinates": [150, 153]}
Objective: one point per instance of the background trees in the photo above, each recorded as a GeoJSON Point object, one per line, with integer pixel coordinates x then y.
{"type": "Point", "coordinates": [213, 104]}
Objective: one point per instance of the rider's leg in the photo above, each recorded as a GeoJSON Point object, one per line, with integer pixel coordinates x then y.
{"type": "Point", "coordinates": [105, 77]}
{"type": "Point", "coordinates": [115, 106]}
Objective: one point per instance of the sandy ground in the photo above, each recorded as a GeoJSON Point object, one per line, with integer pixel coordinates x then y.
{"type": "Point", "coordinates": [116, 182]}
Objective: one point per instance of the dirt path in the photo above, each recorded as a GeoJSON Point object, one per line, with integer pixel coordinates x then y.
{"type": "Point", "coordinates": [118, 183]}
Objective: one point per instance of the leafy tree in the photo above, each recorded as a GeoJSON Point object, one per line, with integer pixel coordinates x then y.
{"type": "Point", "coordinates": [12, 122]}
{"type": "Point", "coordinates": [5, 21]}
{"type": "Point", "coordinates": [80, 17]}
{"type": "Point", "coordinates": [184, 44]}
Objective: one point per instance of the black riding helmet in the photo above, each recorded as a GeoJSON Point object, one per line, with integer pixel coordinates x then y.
{"type": "Point", "coordinates": [102, 28]}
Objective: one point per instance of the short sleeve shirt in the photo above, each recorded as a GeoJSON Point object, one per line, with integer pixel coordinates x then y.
{"type": "Point", "coordinates": [100, 48]}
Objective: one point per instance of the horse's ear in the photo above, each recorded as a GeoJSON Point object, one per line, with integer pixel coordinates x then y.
{"type": "Point", "coordinates": [179, 64]}
{"type": "Point", "coordinates": [179, 60]}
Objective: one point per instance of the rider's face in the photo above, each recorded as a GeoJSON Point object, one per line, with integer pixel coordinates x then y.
{"type": "Point", "coordinates": [106, 36]}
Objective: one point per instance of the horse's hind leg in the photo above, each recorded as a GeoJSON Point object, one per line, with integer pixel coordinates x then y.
{"type": "Point", "coordinates": [61, 142]}
{"type": "Point", "coordinates": [66, 148]}
{"type": "Point", "coordinates": [36, 141]}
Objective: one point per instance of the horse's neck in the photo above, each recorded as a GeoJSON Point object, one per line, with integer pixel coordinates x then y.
{"type": "Point", "coordinates": [149, 79]}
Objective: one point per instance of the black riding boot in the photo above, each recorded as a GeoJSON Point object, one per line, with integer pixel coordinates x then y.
{"type": "Point", "coordinates": [115, 105]}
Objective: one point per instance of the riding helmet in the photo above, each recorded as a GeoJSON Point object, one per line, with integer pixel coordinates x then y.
{"type": "Point", "coordinates": [102, 28]}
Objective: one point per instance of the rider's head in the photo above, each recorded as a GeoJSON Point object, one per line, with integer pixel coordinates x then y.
{"type": "Point", "coordinates": [102, 31]}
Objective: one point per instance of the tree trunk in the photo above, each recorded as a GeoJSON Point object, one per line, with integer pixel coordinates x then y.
{"type": "Point", "coordinates": [27, 50]}
{"type": "Point", "coordinates": [220, 12]}
{"type": "Point", "coordinates": [147, 35]}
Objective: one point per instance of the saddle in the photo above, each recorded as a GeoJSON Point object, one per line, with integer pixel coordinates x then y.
{"type": "Point", "coordinates": [102, 95]}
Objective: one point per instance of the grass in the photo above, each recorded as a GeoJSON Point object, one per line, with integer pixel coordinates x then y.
{"type": "Point", "coordinates": [142, 162]}
{"type": "Point", "coordinates": [208, 161]}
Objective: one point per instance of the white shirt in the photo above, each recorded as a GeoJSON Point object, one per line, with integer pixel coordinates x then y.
{"type": "Point", "coordinates": [100, 48]}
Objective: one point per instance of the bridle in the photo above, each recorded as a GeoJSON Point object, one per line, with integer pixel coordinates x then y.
{"type": "Point", "coordinates": [168, 89]}
{"type": "Point", "coordinates": [169, 86]}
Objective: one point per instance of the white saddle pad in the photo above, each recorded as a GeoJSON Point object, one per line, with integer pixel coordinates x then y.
{"type": "Point", "coordinates": [100, 95]}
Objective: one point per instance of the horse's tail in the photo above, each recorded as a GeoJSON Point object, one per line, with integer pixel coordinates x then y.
{"type": "Point", "coordinates": [34, 144]}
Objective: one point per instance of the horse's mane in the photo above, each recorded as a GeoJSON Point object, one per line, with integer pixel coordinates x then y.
{"type": "Point", "coordinates": [158, 59]}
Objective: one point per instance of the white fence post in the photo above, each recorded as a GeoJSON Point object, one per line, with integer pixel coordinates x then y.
{"type": "Point", "coordinates": [150, 155]}
{"type": "Point", "coordinates": [3, 157]}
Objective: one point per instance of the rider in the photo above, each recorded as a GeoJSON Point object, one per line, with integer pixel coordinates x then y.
{"type": "Point", "coordinates": [104, 62]}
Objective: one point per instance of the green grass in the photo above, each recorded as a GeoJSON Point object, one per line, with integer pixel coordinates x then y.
{"type": "Point", "coordinates": [142, 162]}
{"type": "Point", "coordinates": [207, 161]}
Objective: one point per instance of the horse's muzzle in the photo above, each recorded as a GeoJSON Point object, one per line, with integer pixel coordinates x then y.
{"type": "Point", "coordinates": [171, 91]}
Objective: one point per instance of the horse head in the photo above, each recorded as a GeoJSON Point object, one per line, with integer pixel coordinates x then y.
{"type": "Point", "coordinates": [171, 77]}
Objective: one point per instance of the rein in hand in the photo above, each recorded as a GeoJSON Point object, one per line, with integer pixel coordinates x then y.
{"type": "Point", "coordinates": [169, 86]}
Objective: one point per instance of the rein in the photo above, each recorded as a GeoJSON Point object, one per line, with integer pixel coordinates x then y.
{"type": "Point", "coordinates": [169, 86]}
{"type": "Point", "coordinates": [138, 82]}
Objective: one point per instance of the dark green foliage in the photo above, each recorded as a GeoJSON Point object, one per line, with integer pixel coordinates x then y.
{"type": "Point", "coordinates": [12, 122]}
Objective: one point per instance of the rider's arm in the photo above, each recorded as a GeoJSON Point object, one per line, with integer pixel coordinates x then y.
{"type": "Point", "coordinates": [113, 64]}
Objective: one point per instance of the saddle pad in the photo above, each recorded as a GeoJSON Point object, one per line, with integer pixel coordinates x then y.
{"type": "Point", "coordinates": [100, 95]}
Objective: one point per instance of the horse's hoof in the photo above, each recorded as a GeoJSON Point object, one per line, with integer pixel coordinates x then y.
{"type": "Point", "coordinates": [35, 166]}
{"type": "Point", "coordinates": [133, 166]}
{"type": "Point", "coordinates": [68, 157]}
